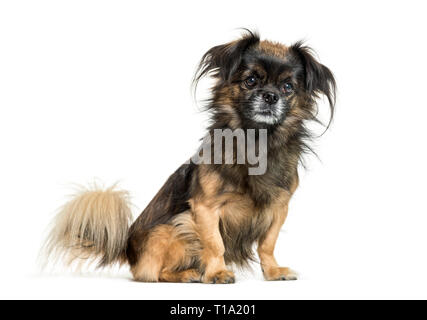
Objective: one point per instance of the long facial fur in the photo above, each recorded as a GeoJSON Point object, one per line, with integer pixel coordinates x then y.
{"type": "Point", "coordinates": [228, 64]}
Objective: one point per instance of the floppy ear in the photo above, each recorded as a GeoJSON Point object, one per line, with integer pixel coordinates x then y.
{"type": "Point", "coordinates": [223, 60]}
{"type": "Point", "coordinates": [318, 79]}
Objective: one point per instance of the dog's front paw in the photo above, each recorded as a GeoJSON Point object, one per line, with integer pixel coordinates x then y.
{"type": "Point", "coordinates": [279, 273]}
{"type": "Point", "coordinates": [223, 276]}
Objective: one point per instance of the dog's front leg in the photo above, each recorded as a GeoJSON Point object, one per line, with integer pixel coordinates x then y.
{"type": "Point", "coordinates": [266, 245]}
{"type": "Point", "coordinates": [212, 255]}
{"type": "Point", "coordinates": [270, 268]}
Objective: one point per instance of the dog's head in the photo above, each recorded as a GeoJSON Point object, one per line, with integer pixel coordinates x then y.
{"type": "Point", "coordinates": [263, 84]}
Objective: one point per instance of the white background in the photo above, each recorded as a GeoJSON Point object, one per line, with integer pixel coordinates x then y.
{"type": "Point", "coordinates": [101, 89]}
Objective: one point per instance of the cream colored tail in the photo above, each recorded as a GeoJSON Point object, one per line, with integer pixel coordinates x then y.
{"type": "Point", "coordinates": [92, 226]}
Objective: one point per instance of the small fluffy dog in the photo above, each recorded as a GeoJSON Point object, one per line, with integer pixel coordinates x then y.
{"type": "Point", "coordinates": [208, 216]}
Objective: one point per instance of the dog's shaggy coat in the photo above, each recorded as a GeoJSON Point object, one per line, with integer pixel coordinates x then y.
{"type": "Point", "coordinates": [210, 215]}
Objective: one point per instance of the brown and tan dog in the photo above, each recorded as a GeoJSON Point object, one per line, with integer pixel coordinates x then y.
{"type": "Point", "coordinates": [207, 216]}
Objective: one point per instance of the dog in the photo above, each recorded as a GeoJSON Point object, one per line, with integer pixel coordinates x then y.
{"type": "Point", "coordinates": [209, 216]}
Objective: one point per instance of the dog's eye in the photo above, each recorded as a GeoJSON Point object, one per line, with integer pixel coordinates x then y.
{"type": "Point", "coordinates": [288, 87]}
{"type": "Point", "coordinates": [251, 81]}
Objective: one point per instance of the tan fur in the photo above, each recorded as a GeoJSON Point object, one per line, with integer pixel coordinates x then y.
{"type": "Point", "coordinates": [273, 48]}
{"type": "Point", "coordinates": [206, 210]}
{"type": "Point", "coordinates": [234, 210]}
{"type": "Point", "coordinates": [169, 250]}
{"type": "Point", "coordinates": [92, 225]}
{"type": "Point", "coordinates": [212, 256]}
{"type": "Point", "coordinates": [190, 275]}
{"type": "Point", "coordinates": [151, 261]}
{"type": "Point", "coordinates": [266, 245]}
{"type": "Point", "coordinates": [226, 104]}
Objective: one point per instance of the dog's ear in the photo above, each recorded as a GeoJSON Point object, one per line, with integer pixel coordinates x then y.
{"type": "Point", "coordinates": [223, 60]}
{"type": "Point", "coordinates": [318, 79]}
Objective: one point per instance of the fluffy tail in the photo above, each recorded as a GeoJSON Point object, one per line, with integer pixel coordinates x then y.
{"type": "Point", "coordinates": [92, 226]}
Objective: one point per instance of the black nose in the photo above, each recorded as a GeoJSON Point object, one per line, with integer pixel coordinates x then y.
{"type": "Point", "coordinates": [270, 97]}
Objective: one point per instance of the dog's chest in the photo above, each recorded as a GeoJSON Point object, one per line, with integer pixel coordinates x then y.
{"type": "Point", "coordinates": [242, 224]}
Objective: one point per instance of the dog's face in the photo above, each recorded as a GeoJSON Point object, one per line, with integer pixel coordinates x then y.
{"type": "Point", "coordinates": [261, 84]}
{"type": "Point", "coordinates": [266, 86]}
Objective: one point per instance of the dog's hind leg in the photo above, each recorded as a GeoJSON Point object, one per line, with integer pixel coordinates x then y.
{"type": "Point", "coordinates": [180, 262]}
{"type": "Point", "coordinates": [151, 260]}
{"type": "Point", "coordinates": [169, 253]}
